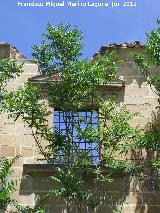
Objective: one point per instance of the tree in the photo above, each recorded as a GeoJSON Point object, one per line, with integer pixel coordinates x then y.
{"type": "Point", "coordinates": [59, 56]}
{"type": "Point", "coordinates": [145, 62]}
{"type": "Point", "coordinates": [9, 69]}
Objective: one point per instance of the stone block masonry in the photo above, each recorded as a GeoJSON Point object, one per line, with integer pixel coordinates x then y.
{"type": "Point", "coordinates": [16, 138]}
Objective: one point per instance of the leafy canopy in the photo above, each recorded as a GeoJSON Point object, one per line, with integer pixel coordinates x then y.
{"type": "Point", "coordinates": [74, 85]}
{"type": "Point", "coordinates": [59, 55]}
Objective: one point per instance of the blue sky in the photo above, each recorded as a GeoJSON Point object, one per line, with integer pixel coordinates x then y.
{"type": "Point", "coordinates": [23, 26]}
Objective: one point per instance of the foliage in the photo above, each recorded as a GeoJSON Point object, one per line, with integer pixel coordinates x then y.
{"type": "Point", "coordinates": [118, 138]}
{"type": "Point", "coordinates": [76, 88]}
{"type": "Point", "coordinates": [145, 62]}
{"type": "Point", "coordinates": [63, 46]}
{"type": "Point", "coordinates": [151, 59]}
{"type": "Point", "coordinates": [9, 69]}
{"type": "Point", "coordinates": [151, 56]}
{"type": "Point", "coordinates": [59, 54]}
{"type": "Point", "coordinates": [25, 103]}
{"type": "Point", "coordinates": [71, 183]}
{"type": "Point", "coordinates": [7, 183]}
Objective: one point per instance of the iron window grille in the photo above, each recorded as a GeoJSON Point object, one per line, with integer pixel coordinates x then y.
{"type": "Point", "coordinates": [74, 125]}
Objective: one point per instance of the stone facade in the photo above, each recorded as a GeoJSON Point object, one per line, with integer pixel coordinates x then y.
{"type": "Point", "coordinates": [16, 138]}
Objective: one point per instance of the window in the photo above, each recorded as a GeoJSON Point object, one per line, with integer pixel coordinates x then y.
{"type": "Point", "coordinates": [75, 125]}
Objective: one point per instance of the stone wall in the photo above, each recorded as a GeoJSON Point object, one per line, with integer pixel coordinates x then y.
{"type": "Point", "coordinates": [138, 97]}
{"type": "Point", "coordinates": [16, 138]}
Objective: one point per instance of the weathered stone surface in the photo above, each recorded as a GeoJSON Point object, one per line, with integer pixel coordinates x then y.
{"type": "Point", "coordinates": [27, 151]}
{"type": "Point", "coordinates": [24, 199]}
{"type": "Point", "coordinates": [24, 139]}
{"type": "Point", "coordinates": [4, 50]}
{"type": "Point", "coordinates": [8, 151]}
{"type": "Point", "coordinates": [6, 139]}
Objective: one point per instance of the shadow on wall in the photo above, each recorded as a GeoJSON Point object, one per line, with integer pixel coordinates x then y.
{"type": "Point", "coordinates": [148, 200]}
{"type": "Point", "coordinates": [129, 73]}
{"type": "Point", "coordinates": [127, 70]}
{"type": "Point", "coordinates": [126, 194]}
{"type": "Point", "coordinates": [112, 195]}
